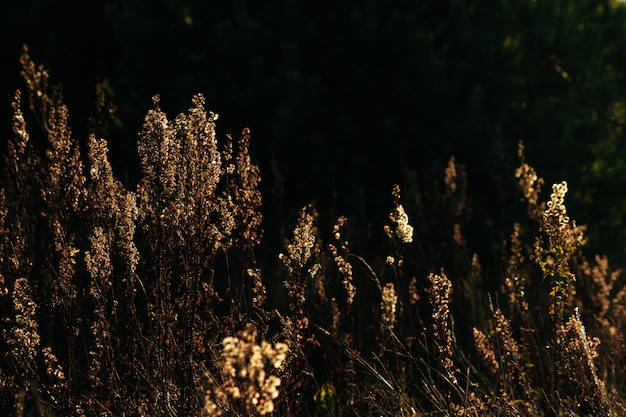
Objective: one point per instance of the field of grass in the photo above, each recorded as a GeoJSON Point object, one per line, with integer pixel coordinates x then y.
{"type": "Point", "coordinates": [155, 301]}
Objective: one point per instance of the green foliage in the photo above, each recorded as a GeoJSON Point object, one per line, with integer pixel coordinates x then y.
{"type": "Point", "coordinates": [325, 401]}
{"type": "Point", "coordinates": [554, 251]}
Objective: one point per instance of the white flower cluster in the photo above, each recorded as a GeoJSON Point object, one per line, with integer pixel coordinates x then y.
{"type": "Point", "coordinates": [404, 230]}
{"type": "Point", "coordinates": [556, 205]}
{"type": "Point", "coordinates": [246, 371]}
{"type": "Point", "coordinates": [565, 236]}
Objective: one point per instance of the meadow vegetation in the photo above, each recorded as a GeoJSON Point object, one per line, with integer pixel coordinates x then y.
{"type": "Point", "coordinates": [155, 301]}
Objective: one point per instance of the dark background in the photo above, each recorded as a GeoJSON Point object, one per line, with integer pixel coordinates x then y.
{"type": "Point", "coordinates": [345, 97]}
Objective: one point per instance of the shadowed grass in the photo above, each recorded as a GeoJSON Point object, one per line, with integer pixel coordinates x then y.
{"type": "Point", "coordinates": [153, 301]}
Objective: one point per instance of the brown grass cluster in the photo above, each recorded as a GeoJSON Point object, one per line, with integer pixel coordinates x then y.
{"type": "Point", "coordinates": [153, 301]}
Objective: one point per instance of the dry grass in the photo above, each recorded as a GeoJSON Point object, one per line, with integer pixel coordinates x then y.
{"type": "Point", "coordinates": [152, 301]}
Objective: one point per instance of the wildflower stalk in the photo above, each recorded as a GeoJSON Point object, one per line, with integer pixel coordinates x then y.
{"type": "Point", "coordinates": [560, 240]}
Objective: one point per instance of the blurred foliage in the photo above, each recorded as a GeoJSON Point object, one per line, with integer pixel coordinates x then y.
{"type": "Point", "coordinates": [348, 97]}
